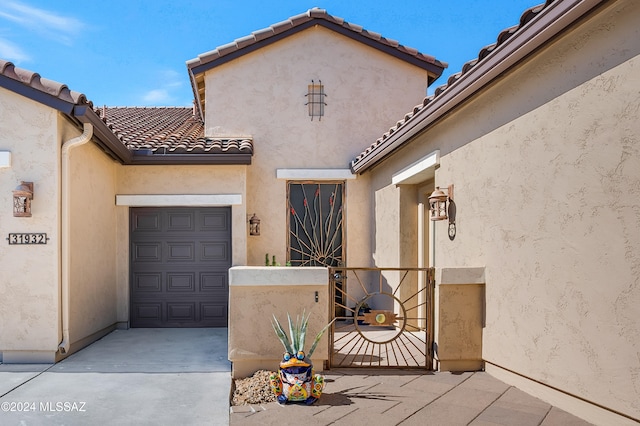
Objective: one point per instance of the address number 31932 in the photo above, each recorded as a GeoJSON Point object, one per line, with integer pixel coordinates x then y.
{"type": "Point", "coordinates": [28, 238]}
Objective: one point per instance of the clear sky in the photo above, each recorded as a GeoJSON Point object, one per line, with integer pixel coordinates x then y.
{"type": "Point", "coordinates": [133, 52]}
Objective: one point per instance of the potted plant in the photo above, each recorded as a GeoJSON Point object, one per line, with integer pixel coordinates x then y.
{"type": "Point", "coordinates": [296, 380]}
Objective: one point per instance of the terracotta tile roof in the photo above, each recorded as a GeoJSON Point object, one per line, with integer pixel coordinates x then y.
{"type": "Point", "coordinates": [164, 130]}
{"type": "Point", "coordinates": [294, 21]}
{"type": "Point", "coordinates": [314, 16]}
{"type": "Point", "coordinates": [140, 130]}
{"type": "Point", "coordinates": [504, 35]}
{"type": "Point", "coordinates": [33, 80]}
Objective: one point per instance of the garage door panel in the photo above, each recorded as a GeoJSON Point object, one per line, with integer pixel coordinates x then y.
{"type": "Point", "coordinates": [181, 311]}
{"type": "Point", "coordinates": [213, 312]}
{"type": "Point", "coordinates": [148, 311]}
{"type": "Point", "coordinates": [214, 282]}
{"type": "Point", "coordinates": [147, 282]}
{"type": "Point", "coordinates": [180, 258]}
{"type": "Point", "coordinates": [181, 221]}
{"type": "Point", "coordinates": [147, 252]}
{"type": "Point", "coordinates": [215, 251]}
{"type": "Point", "coordinates": [146, 221]}
{"type": "Point", "coordinates": [215, 221]}
{"type": "Point", "coordinates": [181, 251]}
{"type": "Point", "coordinates": [181, 283]}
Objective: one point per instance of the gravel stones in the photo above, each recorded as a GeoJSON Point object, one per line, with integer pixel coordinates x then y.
{"type": "Point", "coordinates": [253, 390]}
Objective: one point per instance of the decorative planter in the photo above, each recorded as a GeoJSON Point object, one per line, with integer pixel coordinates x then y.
{"type": "Point", "coordinates": [296, 381]}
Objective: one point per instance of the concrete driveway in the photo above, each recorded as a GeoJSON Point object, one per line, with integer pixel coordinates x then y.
{"type": "Point", "coordinates": [136, 376]}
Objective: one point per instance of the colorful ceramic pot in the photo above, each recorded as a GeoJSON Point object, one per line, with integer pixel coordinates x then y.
{"type": "Point", "coordinates": [296, 381]}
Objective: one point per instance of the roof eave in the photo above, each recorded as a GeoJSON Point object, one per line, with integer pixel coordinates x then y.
{"type": "Point", "coordinates": [199, 102]}
{"type": "Point", "coordinates": [549, 23]}
{"type": "Point", "coordinates": [198, 67]}
{"type": "Point", "coordinates": [36, 95]}
{"type": "Point", "coordinates": [103, 136]}
{"type": "Point", "coordinates": [192, 159]}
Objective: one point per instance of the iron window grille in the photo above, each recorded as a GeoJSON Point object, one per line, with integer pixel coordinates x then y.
{"type": "Point", "coordinates": [316, 100]}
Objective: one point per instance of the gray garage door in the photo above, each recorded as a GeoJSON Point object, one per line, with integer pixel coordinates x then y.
{"type": "Point", "coordinates": [180, 259]}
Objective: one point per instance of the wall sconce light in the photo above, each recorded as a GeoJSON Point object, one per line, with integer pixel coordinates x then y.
{"type": "Point", "coordinates": [438, 203]}
{"type": "Point", "coordinates": [22, 197]}
{"type": "Point", "coordinates": [442, 206]}
{"type": "Point", "coordinates": [254, 225]}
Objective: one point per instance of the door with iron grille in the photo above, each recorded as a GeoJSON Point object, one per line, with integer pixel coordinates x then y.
{"type": "Point", "coordinates": [383, 317]}
{"type": "Point", "coordinates": [315, 222]}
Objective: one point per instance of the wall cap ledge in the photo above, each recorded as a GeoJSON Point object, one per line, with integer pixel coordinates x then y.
{"type": "Point", "coordinates": [278, 275]}
{"type": "Point", "coordinates": [458, 276]}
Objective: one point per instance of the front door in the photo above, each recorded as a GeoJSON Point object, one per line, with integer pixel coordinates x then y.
{"type": "Point", "coordinates": [316, 224]}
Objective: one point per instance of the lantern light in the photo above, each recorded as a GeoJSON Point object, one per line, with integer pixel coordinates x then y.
{"type": "Point", "coordinates": [438, 203]}
{"type": "Point", "coordinates": [22, 197]}
{"type": "Point", "coordinates": [254, 225]}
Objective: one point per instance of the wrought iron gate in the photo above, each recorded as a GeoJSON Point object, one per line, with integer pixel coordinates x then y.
{"type": "Point", "coordinates": [383, 317]}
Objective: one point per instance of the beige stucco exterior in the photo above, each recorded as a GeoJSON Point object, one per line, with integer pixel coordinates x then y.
{"type": "Point", "coordinates": [262, 94]}
{"type": "Point", "coordinates": [32, 274]}
{"type": "Point", "coordinates": [93, 244]}
{"type": "Point", "coordinates": [546, 168]}
{"type": "Point", "coordinates": [545, 163]}
{"type": "Point", "coordinates": [29, 305]}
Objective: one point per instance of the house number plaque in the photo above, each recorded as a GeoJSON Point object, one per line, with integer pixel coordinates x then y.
{"type": "Point", "coordinates": [28, 238]}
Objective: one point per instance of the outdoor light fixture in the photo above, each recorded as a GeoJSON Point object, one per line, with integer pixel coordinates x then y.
{"type": "Point", "coordinates": [22, 197]}
{"type": "Point", "coordinates": [442, 206]}
{"type": "Point", "coordinates": [254, 225]}
{"type": "Point", "coordinates": [438, 203]}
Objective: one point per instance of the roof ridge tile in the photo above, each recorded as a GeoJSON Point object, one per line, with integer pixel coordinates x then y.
{"type": "Point", "coordinates": [294, 21]}
{"type": "Point", "coordinates": [44, 85]}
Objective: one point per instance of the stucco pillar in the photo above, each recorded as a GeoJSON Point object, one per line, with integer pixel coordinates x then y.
{"type": "Point", "coordinates": [459, 318]}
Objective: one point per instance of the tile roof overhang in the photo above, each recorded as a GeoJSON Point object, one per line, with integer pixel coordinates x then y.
{"type": "Point", "coordinates": [163, 135]}
{"type": "Point", "coordinates": [258, 39]}
{"type": "Point", "coordinates": [131, 140]}
{"type": "Point", "coordinates": [58, 96]}
{"type": "Point", "coordinates": [537, 26]}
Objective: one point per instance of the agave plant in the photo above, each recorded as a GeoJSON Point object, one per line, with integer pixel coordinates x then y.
{"type": "Point", "coordinates": [298, 334]}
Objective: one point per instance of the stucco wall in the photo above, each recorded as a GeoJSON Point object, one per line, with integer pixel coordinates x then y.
{"type": "Point", "coordinates": [258, 293]}
{"type": "Point", "coordinates": [263, 94]}
{"type": "Point", "coordinates": [29, 275]}
{"type": "Point", "coordinates": [546, 167]}
{"type": "Point", "coordinates": [93, 302]}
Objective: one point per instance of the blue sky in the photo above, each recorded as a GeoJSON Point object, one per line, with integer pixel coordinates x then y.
{"type": "Point", "coordinates": [133, 52]}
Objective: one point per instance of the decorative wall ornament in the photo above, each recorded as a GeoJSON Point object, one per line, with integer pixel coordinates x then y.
{"type": "Point", "coordinates": [315, 100]}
